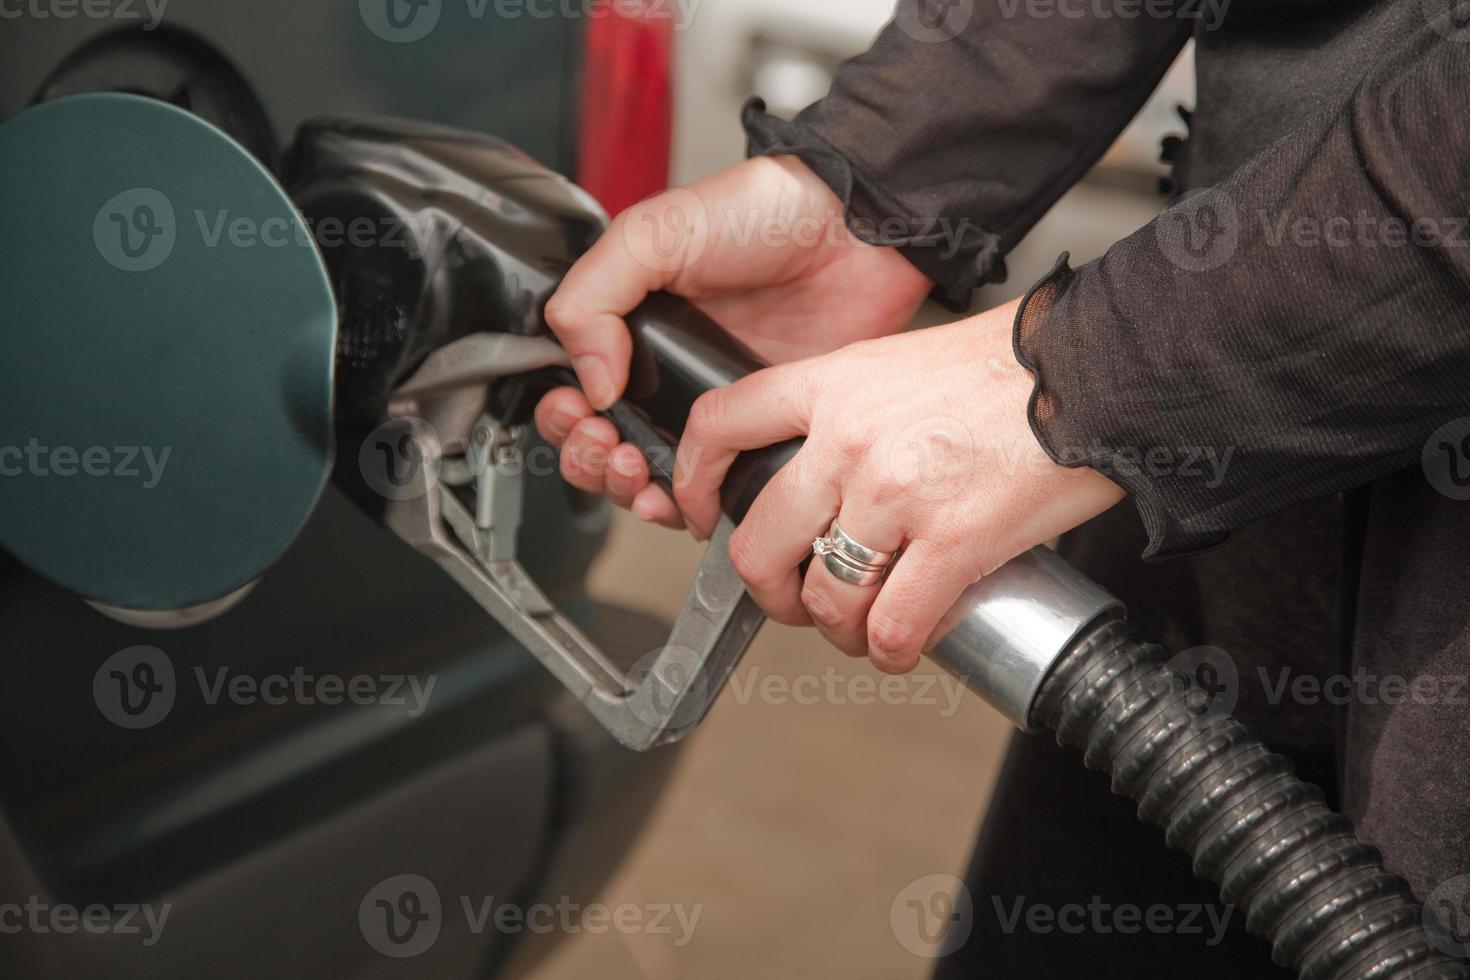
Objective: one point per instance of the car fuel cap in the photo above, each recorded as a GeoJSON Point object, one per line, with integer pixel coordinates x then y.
{"type": "Point", "coordinates": [166, 348]}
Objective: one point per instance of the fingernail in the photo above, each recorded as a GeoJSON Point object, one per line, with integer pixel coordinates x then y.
{"type": "Point", "coordinates": [596, 380]}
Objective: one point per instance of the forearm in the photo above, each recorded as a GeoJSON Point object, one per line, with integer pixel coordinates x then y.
{"type": "Point", "coordinates": [1302, 324]}
{"type": "Point", "coordinates": [952, 149]}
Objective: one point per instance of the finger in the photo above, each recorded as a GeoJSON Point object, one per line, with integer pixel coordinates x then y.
{"type": "Point", "coordinates": [604, 285]}
{"type": "Point", "coordinates": [585, 454]}
{"type": "Point", "coordinates": [924, 584]}
{"type": "Point", "coordinates": [656, 507]}
{"type": "Point", "coordinates": [558, 412]}
{"type": "Point", "coordinates": [840, 609]}
{"type": "Point", "coordinates": [629, 485]}
{"type": "Point", "coordinates": [762, 409]}
{"type": "Point", "coordinates": [627, 475]}
{"type": "Point", "coordinates": [776, 537]}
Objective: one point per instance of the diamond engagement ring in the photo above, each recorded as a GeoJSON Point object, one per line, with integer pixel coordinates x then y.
{"type": "Point", "coordinates": [850, 561]}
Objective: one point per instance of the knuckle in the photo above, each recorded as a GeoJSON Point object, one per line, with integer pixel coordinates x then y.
{"type": "Point", "coordinates": [749, 563]}
{"type": "Point", "coordinates": [785, 616]}
{"type": "Point", "coordinates": [706, 413]}
{"type": "Point", "coordinates": [561, 315]}
{"type": "Point", "coordinates": [889, 485]}
{"type": "Point", "coordinates": [823, 610]}
{"type": "Point", "coordinates": [851, 442]}
{"type": "Point", "coordinates": [895, 640]}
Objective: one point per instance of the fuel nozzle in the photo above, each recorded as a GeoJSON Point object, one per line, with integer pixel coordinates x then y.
{"type": "Point", "coordinates": [459, 242]}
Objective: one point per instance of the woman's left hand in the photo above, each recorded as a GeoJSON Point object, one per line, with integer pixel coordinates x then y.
{"type": "Point", "coordinates": [918, 442]}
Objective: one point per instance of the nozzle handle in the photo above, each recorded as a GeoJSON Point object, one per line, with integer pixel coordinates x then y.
{"type": "Point", "coordinates": [679, 353]}
{"type": "Point", "coordinates": [1007, 630]}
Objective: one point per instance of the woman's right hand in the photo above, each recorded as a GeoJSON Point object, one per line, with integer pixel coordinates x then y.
{"type": "Point", "coordinates": [763, 249]}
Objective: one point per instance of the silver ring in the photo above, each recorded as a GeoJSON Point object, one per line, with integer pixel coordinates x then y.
{"type": "Point", "coordinates": [853, 563]}
{"type": "Point", "coordinates": [861, 575]}
{"type": "Point", "coordinates": [861, 554]}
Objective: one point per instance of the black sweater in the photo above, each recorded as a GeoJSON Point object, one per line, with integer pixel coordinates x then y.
{"type": "Point", "coordinates": [1301, 311]}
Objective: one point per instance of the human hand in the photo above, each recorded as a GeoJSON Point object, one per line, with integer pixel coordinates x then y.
{"type": "Point", "coordinates": [763, 249]}
{"type": "Point", "coordinates": [919, 442]}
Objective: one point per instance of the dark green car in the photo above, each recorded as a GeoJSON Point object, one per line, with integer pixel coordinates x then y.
{"type": "Point", "coordinates": [317, 782]}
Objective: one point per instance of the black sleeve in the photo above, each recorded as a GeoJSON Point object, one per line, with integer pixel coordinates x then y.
{"type": "Point", "coordinates": [952, 136]}
{"type": "Point", "coordinates": [1306, 321]}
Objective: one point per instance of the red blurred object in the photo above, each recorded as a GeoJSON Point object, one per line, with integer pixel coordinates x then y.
{"type": "Point", "coordinates": [626, 136]}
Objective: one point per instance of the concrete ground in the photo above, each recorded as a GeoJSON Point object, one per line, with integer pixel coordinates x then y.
{"type": "Point", "coordinates": [813, 796]}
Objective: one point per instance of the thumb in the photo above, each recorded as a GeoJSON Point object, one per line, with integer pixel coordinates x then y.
{"type": "Point", "coordinates": [644, 250]}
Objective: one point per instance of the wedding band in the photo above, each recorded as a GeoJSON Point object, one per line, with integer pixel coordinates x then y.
{"type": "Point", "coordinates": [860, 575]}
{"type": "Point", "coordinates": [859, 553]}
{"type": "Point", "coordinates": [850, 561]}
